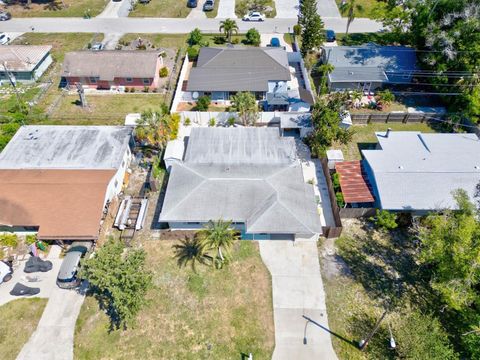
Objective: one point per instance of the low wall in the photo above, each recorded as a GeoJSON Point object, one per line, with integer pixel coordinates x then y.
{"type": "Point", "coordinates": [178, 89]}
{"type": "Point", "coordinates": [356, 213]}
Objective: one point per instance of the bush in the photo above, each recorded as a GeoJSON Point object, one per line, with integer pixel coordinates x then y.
{"type": "Point", "coordinates": [195, 37]}
{"type": "Point", "coordinates": [203, 103]}
{"type": "Point", "coordinates": [386, 96]}
{"type": "Point", "coordinates": [132, 89]}
{"type": "Point", "coordinates": [340, 199]}
{"type": "Point", "coordinates": [192, 52]}
{"type": "Point", "coordinates": [385, 220]}
{"type": "Point", "coordinates": [163, 72]}
{"type": "Point", "coordinates": [253, 37]}
{"type": "Point", "coordinates": [187, 122]}
{"type": "Point", "coordinates": [235, 41]}
{"type": "Point", "coordinates": [219, 40]}
{"type": "Point", "coordinates": [231, 121]}
{"type": "Point", "coordinates": [9, 240]}
{"type": "Point", "coordinates": [31, 239]}
{"type": "Point", "coordinates": [146, 89]}
{"type": "Point", "coordinates": [336, 181]}
{"type": "Point", "coordinates": [297, 29]}
{"type": "Point", "coordinates": [212, 122]}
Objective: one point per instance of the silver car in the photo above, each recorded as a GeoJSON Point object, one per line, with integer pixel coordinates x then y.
{"type": "Point", "coordinates": [67, 276]}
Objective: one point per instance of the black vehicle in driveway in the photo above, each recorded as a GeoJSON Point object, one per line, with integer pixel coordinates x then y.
{"type": "Point", "coordinates": [67, 276]}
{"type": "Point", "coordinates": [330, 35]}
{"type": "Point", "coordinates": [192, 3]}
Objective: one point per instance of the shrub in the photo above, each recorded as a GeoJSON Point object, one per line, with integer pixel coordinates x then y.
{"type": "Point", "coordinates": [235, 41]}
{"type": "Point", "coordinates": [31, 239]}
{"type": "Point", "coordinates": [187, 122]}
{"type": "Point", "coordinates": [163, 72]}
{"type": "Point", "coordinates": [231, 121]}
{"type": "Point", "coordinates": [253, 37]}
{"type": "Point", "coordinates": [297, 29]}
{"type": "Point", "coordinates": [193, 52]}
{"type": "Point", "coordinates": [203, 103]}
{"type": "Point", "coordinates": [386, 96]}
{"type": "Point", "coordinates": [9, 240]}
{"type": "Point", "coordinates": [195, 37]}
{"type": "Point", "coordinates": [212, 122]}
{"type": "Point", "coordinates": [340, 199]}
{"type": "Point", "coordinates": [385, 220]}
{"type": "Point", "coordinates": [219, 40]}
{"type": "Point", "coordinates": [146, 89]}
{"type": "Point", "coordinates": [174, 125]}
{"type": "Point", "coordinates": [132, 89]}
{"type": "Point", "coordinates": [336, 181]}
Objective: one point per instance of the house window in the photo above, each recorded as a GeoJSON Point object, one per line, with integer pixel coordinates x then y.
{"type": "Point", "coordinates": [207, 93]}
{"type": "Point", "coordinates": [128, 79]}
{"type": "Point", "coordinates": [93, 80]}
{"type": "Point", "coordinates": [193, 223]}
{"type": "Point", "coordinates": [146, 81]}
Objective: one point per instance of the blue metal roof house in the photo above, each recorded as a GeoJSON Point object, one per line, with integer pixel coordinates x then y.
{"type": "Point", "coordinates": [369, 66]}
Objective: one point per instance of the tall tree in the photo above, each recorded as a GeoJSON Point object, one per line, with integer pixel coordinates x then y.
{"type": "Point", "coordinates": [157, 127]}
{"type": "Point", "coordinates": [219, 236]}
{"type": "Point", "coordinates": [246, 106]}
{"type": "Point", "coordinates": [313, 33]}
{"type": "Point", "coordinates": [228, 27]}
{"type": "Point", "coordinates": [119, 280]}
{"type": "Point", "coordinates": [350, 8]}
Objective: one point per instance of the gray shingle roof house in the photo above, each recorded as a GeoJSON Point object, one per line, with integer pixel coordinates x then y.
{"type": "Point", "coordinates": [251, 176]}
{"type": "Point", "coordinates": [369, 66]}
{"type": "Point", "coordinates": [238, 69]}
{"type": "Point", "coordinates": [26, 62]}
{"type": "Point", "coordinates": [418, 172]}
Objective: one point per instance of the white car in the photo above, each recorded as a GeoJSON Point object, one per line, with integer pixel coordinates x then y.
{"type": "Point", "coordinates": [254, 16]}
{"type": "Point", "coordinates": [5, 272]}
{"type": "Point", "coordinates": [4, 39]}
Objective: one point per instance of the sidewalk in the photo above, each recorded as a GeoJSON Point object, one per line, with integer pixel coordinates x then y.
{"type": "Point", "coordinates": [300, 316]}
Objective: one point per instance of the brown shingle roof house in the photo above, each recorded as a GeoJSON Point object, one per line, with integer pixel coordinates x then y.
{"type": "Point", "coordinates": [107, 68]}
{"type": "Point", "coordinates": [56, 180]}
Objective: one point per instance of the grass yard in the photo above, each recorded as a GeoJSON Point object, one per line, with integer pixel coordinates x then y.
{"type": "Point", "coordinates": [162, 8]}
{"type": "Point", "coordinates": [18, 320]}
{"type": "Point", "coordinates": [365, 9]}
{"type": "Point", "coordinates": [364, 136]}
{"type": "Point", "coordinates": [214, 314]}
{"type": "Point", "coordinates": [61, 42]}
{"type": "Point", "coordinates": [174, 41]}
{"type": "Point", "coordinates": [73, 8]}
{"type": "Point", "coordinates": [102, 109]}
{"type": "Point", "coordinates": [212, 14]}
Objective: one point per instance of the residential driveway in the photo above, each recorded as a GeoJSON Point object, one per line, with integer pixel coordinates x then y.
{"type": "Point", "coordinates": [328, 9]}
{"type": "Point", "coordinates": [45, 281]}
{"type": "Point", "coordinates": [198, 13]}
{"type": "Point", "coordinates": [115, 9]}
{"type": "Point", "coordinates": [300, 316]}
{"type": "Point", "coordinates": [53, 338]}
{"type": "Point", "coordinates": [110, 41]}
{"type": "Point", "coordinates": [287, 9]}
{"type": "Point", "coordinates": [226, 9]}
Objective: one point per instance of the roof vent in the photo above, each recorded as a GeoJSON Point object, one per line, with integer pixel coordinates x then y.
{"type": "Point", "coordinates": [477, 167]}
{"type": "Point", "coordinates": [400, 167]}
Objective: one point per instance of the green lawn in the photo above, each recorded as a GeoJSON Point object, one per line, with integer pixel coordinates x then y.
{"type": "Point", "coordinates": [162, 8]}
{"type": "Point", "coordinates": [364, 136]}
{"type": "Point", "coordinates": [214, 314]}
{"type": "Point", "coordinates": [365, 8]}
{"type": "Point", "coordinates": [18, 320]}
{"type": "Point", "coordinates": [73, 8]}
{"type": "Point", "coordinates": [174, 41]}
{"type": "Point", "coordinates": [102, 109]}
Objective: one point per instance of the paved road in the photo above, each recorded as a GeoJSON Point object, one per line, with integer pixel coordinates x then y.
{"type": "Point", "coordinates": [298, 301]}
{"type": "Point", "coordinates": [287, 9]}
{"type": "Point", "coordinates": [53, 338]}
{"type": "Point", "coordinates": [328, 8]}
{"type": "Point", "coordinates": [166, 25]}
{"type": "Point", "coordinates": [226, 9]}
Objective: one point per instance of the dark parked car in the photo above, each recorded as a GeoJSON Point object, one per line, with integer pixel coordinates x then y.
{"type": "Point", "coordinates": [4, 16]}
{"type": "Point", "coordinates": [192, 3]}
{"type": "Point", "coordinates": [330, 36]}
{"type": "Point", "coordinates": [209, 5]}
{"type": "Point", "coordinates": [67, 276]}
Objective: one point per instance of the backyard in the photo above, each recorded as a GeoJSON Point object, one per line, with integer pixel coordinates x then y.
{"type": "Point", "coordinates": [364, 136]}
{"type": "Point", "coordinates": [211, 314]}
{"type": "Point", "coordinates": [64, 8]}
{"type": "Point", "coordinates": [161, 8]}
{"type": "Point", "coordinates": [18, 320]}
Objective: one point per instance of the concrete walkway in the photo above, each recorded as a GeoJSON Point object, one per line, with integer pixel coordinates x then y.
{"type": "Point", "coordinates": [53, 338]}
{"type": "Point", "coordinates": [301, 324]}
{"type": "Point", "coordinates": [226, 9]}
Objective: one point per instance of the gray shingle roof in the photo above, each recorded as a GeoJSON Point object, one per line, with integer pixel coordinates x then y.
{"type": "Point", "coordinates": [238, 69]}
{"type": "Point", "coordinates": [22, 57]}
{"type": "Point", "coordinates": [241, 180]}
{"type": "Point", "coordinates": [419, 171]}
{"type": "Point", "coordinates": [109, 64]}
{"type": "Point", "coordinates": [370, 62]}
{"type": "Point", "coordinates": [66, 147]}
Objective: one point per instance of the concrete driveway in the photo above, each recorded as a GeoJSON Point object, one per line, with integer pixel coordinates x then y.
{"type": "Point", "coordinates": [226, 9]}
{"type": "Point", "coordinates": [328, 9]}
{"type": "Point", "coordinates": [198, 13]}
{"type": "Point", "coordinates": [53, 338]}
{"type": "Point", "coordinates": [300, 316]}
{"type": "Point", "coordinates": [287, 9]}
{"type": "Point", "coordinates": [115, 9]}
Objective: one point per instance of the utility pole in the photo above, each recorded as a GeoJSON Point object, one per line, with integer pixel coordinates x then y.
{"type": "Point", "coordinates": [364, 342]}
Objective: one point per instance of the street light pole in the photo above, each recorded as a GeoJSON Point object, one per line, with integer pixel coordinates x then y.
{"type": "Point", "coordinates": [364, 342]}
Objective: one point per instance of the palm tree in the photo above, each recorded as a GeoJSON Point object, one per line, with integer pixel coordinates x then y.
{"type": "Point", "coordinates": [191, 251]}
{"type": "Point", "coordinates": [228, 27]}
{"type": "Point", "coordinates": [349, 7]}
{"type": "Point", "coordinates": [155, 128]}
{"type": "Point", "coordinates": [218, 235]}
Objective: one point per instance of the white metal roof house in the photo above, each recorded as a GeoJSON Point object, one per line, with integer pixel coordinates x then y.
{"type": "Point", "coordinates": [251, 176]}
{"type": "Point", "coordinates": [25, 62]}
{"type": "Point", "coordinates": [412, 171]}
{"type": "Point", "coordinates": [369, 66]}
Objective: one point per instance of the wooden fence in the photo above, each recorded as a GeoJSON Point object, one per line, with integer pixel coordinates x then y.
{"type": "Point", "coordinates": [331, 231]}
{"type": "Point", "coordinates": [355, 213]}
